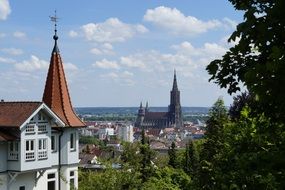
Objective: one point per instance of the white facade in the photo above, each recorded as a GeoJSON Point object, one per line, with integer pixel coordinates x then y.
{"type": "Point", "coordinates": [126, 133]}
{"type": "Point", "coordinates": [104, 132]}
{"type": "Point", "coordinates": [33, 162]}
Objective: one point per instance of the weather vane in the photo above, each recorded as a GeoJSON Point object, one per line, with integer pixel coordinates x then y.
{"type": "Point", "coordinates": [55, 20]}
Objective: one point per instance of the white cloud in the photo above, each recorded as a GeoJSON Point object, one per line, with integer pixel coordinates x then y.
{"type": "Point", "coordinates": [188, 60]}
{"type": "Point", "coordinates": [105, 49]}
{"type": "Point", "coordinates": [132, 61]}
{"type": "Point", "coordinates": [127, 74]}
{"type": "Point", "coordinates": [112, 30]}
{"type": "Point", "coordinates": [121, 78]}
{"type": "Point", "coordinates": [19, 34]}
{"type": "Point", "coordinates": [5, 9]}
{"type": "Point", "coordinates": [108, 46]}
{"type": "Point", "coordinates": [70, 67]}
{"type": "Point", "coordinates": [96, 51]}
{"type": "Point", "coordinates": [7, 60]}
{"type": "Point", "coordinates": [32, 65]}
{"type": "Point", "coordinates": [73, 34]}
{"type": "Point", "coordinates": [12, 51]}
{"type": "Point", "coordinates": [106, 64]}
{"type": "Point", "coordinates": [229, 23]}
{"type": "Point", "coordinates": [176, 22]}
{"type": "Point", "coordinates": [111, 75]}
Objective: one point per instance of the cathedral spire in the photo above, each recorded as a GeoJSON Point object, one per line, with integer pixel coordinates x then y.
{"type": "Point", "coordinates": [175, 87]}
{"type": "Point", "coordinates": [56, 95]}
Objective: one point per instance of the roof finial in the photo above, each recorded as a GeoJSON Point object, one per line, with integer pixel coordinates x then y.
{"type": "Point", "coordinates": [55, 37]}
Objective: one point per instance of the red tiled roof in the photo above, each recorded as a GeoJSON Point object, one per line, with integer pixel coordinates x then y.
{"type": "Point", "coordinates": [154, 132]}
{"type": "Point", "coordinates": [14, 114]}
{"type": "Point", "coordinates": [56, 94]}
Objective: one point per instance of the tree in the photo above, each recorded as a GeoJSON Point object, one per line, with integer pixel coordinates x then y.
{"type": "Point", "coordinates": [213, 146]}
{"type": "Point", "coordinates": [258, 59]}
{"type": "Point", "coordinates": [172, 155]}
{"type": "Point", "coordinates": [146, 168]}
{"type": "Point", "coordinates": [191, 158]}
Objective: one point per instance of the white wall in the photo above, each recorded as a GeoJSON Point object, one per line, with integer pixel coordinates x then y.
{"type": "Point", "coordinates": [65, 183]}
{"type": "Point", "coordinates": [126, 133]}
{"type": "Point", "coordinates": [69, 156]}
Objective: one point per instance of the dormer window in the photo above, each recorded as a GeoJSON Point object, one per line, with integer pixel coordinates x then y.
{"type": "Point", "coordinates": [30, 129]}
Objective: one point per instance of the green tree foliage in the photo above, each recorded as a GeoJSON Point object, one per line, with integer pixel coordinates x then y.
{"type": "Point", "coordinates": [168, 178]}
{"type": "Point", "coordinates": [214, 129]}
{"type": "Point", "coordinates": [191, 165]}
{"type": "Point", "coordinates": [253, 157]}
{"type": "Point", "coordinates": [146, 167]}
{"type": "Point", "coordinates": [240, 101]}
{"type": "Point", "coordinates": [109, 179]}
{"type": "Point", "coordinates": [172, 156]}
{"type": "Point", "coordinates": [213, 146]}
{"type": "Point", "coordinates": [258, 59]}
{"type": "Point", "coordinates": [131, 157]}
{"type": "Point", "coordinates": [90, 140]}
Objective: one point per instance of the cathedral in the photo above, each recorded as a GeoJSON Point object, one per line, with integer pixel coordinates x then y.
{"type": "Point", "coordinates": [171, 118]}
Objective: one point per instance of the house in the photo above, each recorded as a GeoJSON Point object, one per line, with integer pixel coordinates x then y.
{"type": "Point", "coordinates": [39, 140]}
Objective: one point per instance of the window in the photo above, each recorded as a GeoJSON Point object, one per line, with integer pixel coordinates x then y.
{"type": "Point", "coordinates": [72, 179]}
{"type": "Point", "coordinates": [13, 151]}
{"type": "Point", "coordinates": [30, 150]}
{"type": "Point", "coordinates": [72, 141]}
{"type": "Point", "coordinates": [30, 128]}
{"type": "Point", "coordinates": [53, 143]}
{"type": "Point", "coordinates": [42, 146]}
{"type": "Point", "coordinates": [42, 128]}
{"type": "Point", "coordinates": [41, 117]}
{"type": "Point", "coordinates": [22, 188]}
{"type": "Point", "coordinates": [51, 181]}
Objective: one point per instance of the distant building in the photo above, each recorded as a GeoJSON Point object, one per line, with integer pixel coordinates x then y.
{"type": "Point", "coordinates": [39, 140]}
{"type": "Point", "coordinates": [173, 117]}
{"type": "Point", "coordinates": [126, 133]}
{"type": "Point", "coordinates": [104, 133]}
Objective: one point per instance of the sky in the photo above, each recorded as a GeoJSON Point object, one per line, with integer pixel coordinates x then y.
{"type": "Point", "coordinates": [116, 53]}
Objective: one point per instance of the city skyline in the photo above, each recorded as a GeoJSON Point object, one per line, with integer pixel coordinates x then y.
{"type": "Point", "coordinates": [118, 53]}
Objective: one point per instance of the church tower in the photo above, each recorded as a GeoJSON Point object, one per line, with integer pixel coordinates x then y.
{"type": "Point", "coordinates": [140, 117]}
{"type": "Point", "coordinates": [174, 109]}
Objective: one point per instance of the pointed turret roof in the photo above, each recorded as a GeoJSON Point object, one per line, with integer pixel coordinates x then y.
{"type": "Point", "coordinates": [174, 87]}
{"type": "Point", "coordinates": [56, 94]}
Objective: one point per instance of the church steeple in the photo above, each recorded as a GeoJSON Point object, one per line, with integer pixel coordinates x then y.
{"type": "Point", "coordinates": [56, 94]}
{"type": "Point", "coordinates": [174, 108]}
{"type": "Point", "coordinates": [175, 87]}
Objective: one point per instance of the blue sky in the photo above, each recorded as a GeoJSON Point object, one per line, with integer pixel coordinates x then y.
{"type": "Point", "coordinates": [116, 53]}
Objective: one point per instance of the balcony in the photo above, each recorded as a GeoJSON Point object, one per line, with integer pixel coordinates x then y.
{"type": "Point", "coordinates": [13, 156]}
{"type": "Point", "coordinates": [30, 155]}
{"type": "Point", "coordinates": [42, 154]}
